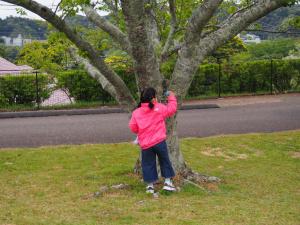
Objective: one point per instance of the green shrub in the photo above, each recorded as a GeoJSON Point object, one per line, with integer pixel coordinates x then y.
{"type": "Point", "coordinates": [205, 80]}
{"type": "Point", "coordinates": [79, 85]}
{"type": "Point", "coordinates": [3, 100]}
{"type": "Point", "coordinates": [247, 77]}
{"type": "Point", "coordinates": [82, 87]}
{"type": "Point", "coordinates": [21, 89]}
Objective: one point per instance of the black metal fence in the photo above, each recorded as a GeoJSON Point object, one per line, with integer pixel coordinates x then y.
{"type": "Point", "coordinates": [75, 89]}
{"type": "Point", "coordinates": [253, 77]}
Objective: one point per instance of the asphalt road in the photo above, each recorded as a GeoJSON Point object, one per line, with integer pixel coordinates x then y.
{"type": "Point", "coordinates": [110, 128]}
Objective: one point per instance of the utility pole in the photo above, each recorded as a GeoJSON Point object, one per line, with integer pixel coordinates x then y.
{"type": "Point", "coordinates": [219, 77]}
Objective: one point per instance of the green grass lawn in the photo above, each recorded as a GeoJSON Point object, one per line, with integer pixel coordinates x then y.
{"type": "Point", "coordinates": [56, 185]}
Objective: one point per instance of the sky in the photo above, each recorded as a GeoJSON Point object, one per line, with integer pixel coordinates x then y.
{"type": "Point", "coordinates": [7, 9]}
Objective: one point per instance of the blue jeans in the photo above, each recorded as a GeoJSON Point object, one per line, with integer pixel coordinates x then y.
{"type": "Point", "coordinates": [149, 162]}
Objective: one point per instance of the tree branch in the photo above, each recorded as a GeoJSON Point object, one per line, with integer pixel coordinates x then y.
{"type": "Point", "coordinates": [57, 7]}
{"type": "Point", "coordinates": [173, 28]}
{"type": "Point", "coordinates": [108, 27]}
{"type": "Point", "coordinates": [95, 73]}
{"type": "Point", "coordinates": [237, 23]}
{"type": "Point", "coordinates": [189, 60]}
{"type": "Point", "coordinates": [170, 52]}
{"type": "Point", "coordinates": [242, 10]}
{"type": "Point", "coordinates": [200, 18]}
{"type": "Point", "coordinates": [124, 96]}
{"type": "Point", "coordinates": [145, 61]}
{"type": "Point", "coordinates": [112, 6]}
{"type": "Point", "coordinates": [151, 23]}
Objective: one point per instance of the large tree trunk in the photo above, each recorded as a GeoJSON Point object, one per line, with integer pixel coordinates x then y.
{"type": "Point", "coordinates": [183, 171]}
{"type": "Point", "coordinates": [175, 154]}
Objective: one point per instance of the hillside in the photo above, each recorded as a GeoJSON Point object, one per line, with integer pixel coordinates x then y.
{"type": "Point", "coordinates": [33, 29]}
{"type": "Point", "coordinates": [274, 20]}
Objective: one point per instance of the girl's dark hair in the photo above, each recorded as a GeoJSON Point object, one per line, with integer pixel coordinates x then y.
{"type": "Point", "coordinates": [147, 96]}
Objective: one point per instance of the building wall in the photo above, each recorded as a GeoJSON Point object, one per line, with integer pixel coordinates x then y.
{"type": "Point", "coordinates": [18, 41]}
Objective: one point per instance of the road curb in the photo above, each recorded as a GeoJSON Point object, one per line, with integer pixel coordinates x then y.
{"type": "Point", "coordinates": [46, 113]}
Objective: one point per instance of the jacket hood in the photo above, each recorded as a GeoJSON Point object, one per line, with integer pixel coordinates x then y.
{"type": "Point", "coordinates": [145, 106]}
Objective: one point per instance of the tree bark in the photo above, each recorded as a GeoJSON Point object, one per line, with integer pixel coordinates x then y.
{"type": "Point", "coordinates": [145, 61]}
{"type": "Point", "coordinates": [116, 34]}
{"type": "Point", "coordinates": [175, 154]}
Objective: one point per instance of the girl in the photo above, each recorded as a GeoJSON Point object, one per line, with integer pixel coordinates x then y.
{"type": "Point", "coordinates": [148, 122]}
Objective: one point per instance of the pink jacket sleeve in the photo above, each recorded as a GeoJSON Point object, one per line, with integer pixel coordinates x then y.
{"type": "Point", "coordinates": [171, 108]}
{"type": "Point", "coordinates": [133, 125]}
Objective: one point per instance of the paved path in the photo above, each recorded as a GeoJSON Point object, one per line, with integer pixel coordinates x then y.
{"type": "Point", "coordinates": [243, 115]}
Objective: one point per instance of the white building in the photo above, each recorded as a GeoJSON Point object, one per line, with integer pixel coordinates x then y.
{"type": "Point", "coordinates": [250, 38]}
{"type": "Point", "coordinates": [18, 41]}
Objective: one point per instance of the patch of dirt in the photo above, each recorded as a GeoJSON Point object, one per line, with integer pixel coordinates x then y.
{"type": "Point", "coordinates": [218, 152]}
{"type": "Point", "coordinates": [256, 152]}
{"type": "Point", "coordinates": [211, 186]}
{"type": "Point", "coordinates": [87, 197]}
{"type": "Point", "coordinates": [133, 175]}
{"type": "Point", "coordinates": [295, 155]}
{"type": "Point", "coordinates": [242, 156]}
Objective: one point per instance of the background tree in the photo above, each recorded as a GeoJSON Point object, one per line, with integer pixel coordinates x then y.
{"type": "Point", "coordinates": [50, 56]}
{"type": "Point", "coordinates": [150, 32]}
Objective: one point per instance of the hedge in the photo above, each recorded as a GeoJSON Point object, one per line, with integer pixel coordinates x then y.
{"type": "Point", "coordinates": [21, 89]}
{"type": "Point", "coordinates": [250, 77]}
{"type": "Point", "coordinates": [82, 87]}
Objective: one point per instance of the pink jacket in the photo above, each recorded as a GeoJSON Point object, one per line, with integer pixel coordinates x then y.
{"type": "Point", "coordinates": [149, 124]}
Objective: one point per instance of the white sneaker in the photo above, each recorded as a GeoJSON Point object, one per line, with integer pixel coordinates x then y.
{"type": "Point", "coordinates": [169, 187]}
{"type": "Point", "coordinates": [150, 190]}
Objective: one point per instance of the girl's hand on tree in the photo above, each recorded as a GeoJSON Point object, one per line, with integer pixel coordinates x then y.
{"type": "Point", "coordinates": [167, 93]}
{"type": "Point", "coordinates": [170, 93]}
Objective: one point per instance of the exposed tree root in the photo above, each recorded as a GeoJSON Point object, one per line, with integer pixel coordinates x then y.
{"type": "Point", "coordinates": [198, 178]}
{"type": "Point", "coordinates": [188, 176]}
{"type": "Point", "coordinates": [201, 181]}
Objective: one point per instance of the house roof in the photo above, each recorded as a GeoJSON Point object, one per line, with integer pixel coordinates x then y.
{"type": "Point", "coordinates": [7, 67]}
